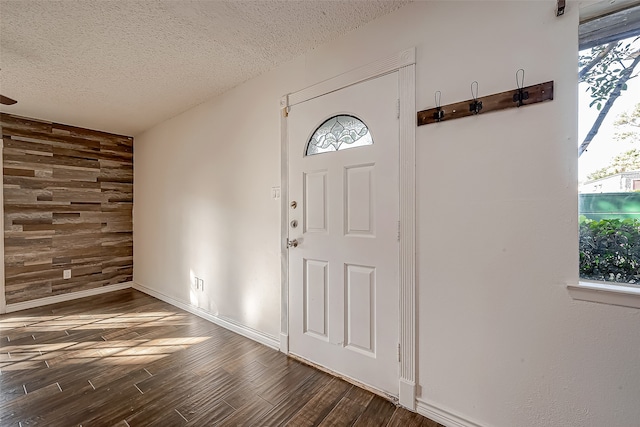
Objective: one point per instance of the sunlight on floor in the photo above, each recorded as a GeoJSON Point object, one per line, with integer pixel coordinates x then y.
{"type": "Point", "coordinates": [110, 338]}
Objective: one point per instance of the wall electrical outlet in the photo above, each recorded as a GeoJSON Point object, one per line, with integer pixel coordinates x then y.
{"type": "Point", "coordinates": [201, 284]}
{"type": "Point", "coordinates": [66, 274]}
{"type": "Point", "coordinates": [197, 282]}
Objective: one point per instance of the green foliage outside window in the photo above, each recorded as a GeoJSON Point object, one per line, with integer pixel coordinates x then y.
{"type": "Point", "coordinates": [610, 250]}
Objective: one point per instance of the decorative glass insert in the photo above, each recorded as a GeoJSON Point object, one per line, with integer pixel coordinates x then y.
{"type": "Point", "coordinates": [339, 133]}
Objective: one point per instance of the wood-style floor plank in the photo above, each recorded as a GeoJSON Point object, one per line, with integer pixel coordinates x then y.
{"type": "Point", "coordinates": [404, 418]}
{"type": "Point", "coordinates": [321, 404]}
{"type": "Point", "coordinates": [288, 407]}
{"type": "Point", "coordinates": [127, 359]}
{"type": "Point", "coordinates": [349, 409]}
{"type": "Point", "coordinates": [377, 413]}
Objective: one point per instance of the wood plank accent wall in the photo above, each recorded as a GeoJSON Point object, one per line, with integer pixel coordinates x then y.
{"type": "Point", "coordinates": [68, 198]}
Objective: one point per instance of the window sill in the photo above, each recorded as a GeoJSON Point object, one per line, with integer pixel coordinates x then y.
{"type": "Point", "coordinates": [606, 293]}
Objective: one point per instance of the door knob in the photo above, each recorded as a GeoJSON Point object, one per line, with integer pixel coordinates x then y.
{"type": "Point", "coordinates": [292, 243]}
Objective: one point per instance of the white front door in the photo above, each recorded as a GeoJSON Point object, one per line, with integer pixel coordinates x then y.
{"type": "Point", "coordinates": [343, 273]}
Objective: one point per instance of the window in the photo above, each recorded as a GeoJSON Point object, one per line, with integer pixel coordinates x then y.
{"type": "Point", "coordinates": [339, 133]}
{"type": "Point", "coordinates": [609, 153]}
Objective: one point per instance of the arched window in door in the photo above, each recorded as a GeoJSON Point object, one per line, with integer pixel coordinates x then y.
{"type": "Point", "coordinates": [339, 133]}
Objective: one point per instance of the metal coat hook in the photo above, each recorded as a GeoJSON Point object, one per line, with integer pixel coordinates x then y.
{"type": "Point", "coordinates": [521, 95]}
{"type": "Point", "coordinates": [439, 114]}
{"type": "Point", "coordinates": [476, 105]}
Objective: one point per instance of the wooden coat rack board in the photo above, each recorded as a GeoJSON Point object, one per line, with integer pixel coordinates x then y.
{"type": "Point", "coordinates": [499, 101]}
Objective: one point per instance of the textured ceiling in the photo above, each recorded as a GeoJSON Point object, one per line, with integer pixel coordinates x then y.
{"type": "Point", "coordinates": [124, 66]}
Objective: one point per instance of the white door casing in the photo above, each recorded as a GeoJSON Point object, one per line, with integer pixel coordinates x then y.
{"type": "Point", "coordinates": [404, 63]}
{"type": "Point", "coordinates": [343, 274]}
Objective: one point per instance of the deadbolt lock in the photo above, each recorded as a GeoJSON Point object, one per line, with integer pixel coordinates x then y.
{"type": "Point", "coordinates": [294, 223]}
{"type": "Point", "coordinates": [294, 204]}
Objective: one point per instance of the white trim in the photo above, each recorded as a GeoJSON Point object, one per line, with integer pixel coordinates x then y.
{"type": "Point", "coordinates": [66, 297]}
{"type": "Point", "coordinates": [245, 331]}
{"type": "Point", "coordinates": [284, 343]}
{"type": "Point", "coordinates": [606, 293]}
{"type": "Point", "coordinates": [3, 300]}
{"type": "Point", "coordinates": [404, 63]}
{"type": "Point", "coordinates": [383, 66]}
{"type": "Point", "coordinates": [407, 286]}
{"type": "Point", "coordinates": [442, 416]}
{"type": "Point", "coordinates": [407, 394]}
{"type": "Point", "coordinates": [284, 224]}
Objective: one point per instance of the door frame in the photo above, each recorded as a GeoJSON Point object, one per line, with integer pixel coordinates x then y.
{"type": "Point", "coordinates": [404, 63]}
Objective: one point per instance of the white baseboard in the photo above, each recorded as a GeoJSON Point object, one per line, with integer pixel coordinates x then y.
{"type": "Point", "coordinates": [245, 331]}
{"type": "Point", "coordinates": [10, 308]}
{"type": "Point", "coordinates": [443, 417]}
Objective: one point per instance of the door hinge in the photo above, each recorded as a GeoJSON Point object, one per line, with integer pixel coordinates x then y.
{"type": "Point", "coordinates": [399, 352]}
{"type": "Point", "coordinates": [398, 231]}
{"type": "Point", "coordinates": [398, 108]}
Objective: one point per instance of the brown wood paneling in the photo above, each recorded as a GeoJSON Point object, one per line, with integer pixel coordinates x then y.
{"type": "Point", "coordinates": [68, 198]}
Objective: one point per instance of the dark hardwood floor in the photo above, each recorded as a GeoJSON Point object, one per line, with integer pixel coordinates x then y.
{"type": "Point", "coordinates": [127, 359]}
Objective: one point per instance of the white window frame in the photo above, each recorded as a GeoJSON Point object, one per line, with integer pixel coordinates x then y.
{"type": "Point", "coordinates": [621, 24]}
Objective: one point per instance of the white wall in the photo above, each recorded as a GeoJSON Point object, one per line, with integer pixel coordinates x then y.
{"type": "Point", "coordinates": [203, 205]}
{"type": "Point", "coordinates": [501, 343]}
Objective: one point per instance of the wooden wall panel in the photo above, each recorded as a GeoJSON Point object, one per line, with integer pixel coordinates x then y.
{"type": "Point", "coordinates": [68, 198]}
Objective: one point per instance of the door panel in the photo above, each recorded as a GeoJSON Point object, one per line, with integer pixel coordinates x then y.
{"type": "Point", "coordinates": [315, 202]}
{"type": "Point", "coordinates": [343, 274]}
{"type": "Point", "coordinates": [359, 209]}
{"type": "Point", "coordinates": [361, 308]}
{"type": "Point", "coordinates": [315, 298]}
